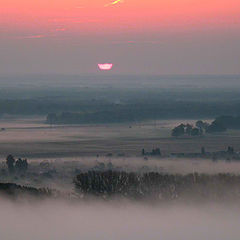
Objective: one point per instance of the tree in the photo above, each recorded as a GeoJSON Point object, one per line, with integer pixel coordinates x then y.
{"type": "Point", "coordinates": [18, 165]}
{"type": "Point", "coordinates": [10, 163]}
{"type": "Point", "coordinates": [178, 131]}
{"type": "Point", "coordinates": [21, 165]}
{"type": "Point", "coordinates": [203, 151]}
{"type": "Point", "coordinates": [189, 129]}
{"type": "Point", "coordinates": [195, 132]}
{"type": "Point", "coordinates": [52, 118]}
{"type": "Point", "coordinates": [199, 124]}
{"type": "Point", "coordinates": [216, 126]}
{"type": "Point", "coordinates": [202, 125]}
{"type": "Point", "coordinates": [205, 125]}
{"type": "Point", "coordinates": [25, 165]}
{"type": "Point", "coordinates": [232, 122]}
{"type": "Point", "coordinates": [230, 150]}
{"type": "Point", "coordinates": [156, 151]}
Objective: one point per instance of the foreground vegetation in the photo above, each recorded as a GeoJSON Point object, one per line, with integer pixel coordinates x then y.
{"type": "Point", "coordinates": [157, 186]}
{"type": "Point", "coordinates": [15, 191]}
{"type": "Point", "coordinates": [135, 186]}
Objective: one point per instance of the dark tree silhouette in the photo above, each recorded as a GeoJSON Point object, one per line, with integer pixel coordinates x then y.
{"type": "Point", "coordinates": [230, 150]}
{"type": "Point", "coordinates": [216, 126]}
{"type": "Point", "coordinates": [195, 132]}
{"type": "Point", "coordinates": [21, 165]}
{"type": "Point", "coordinates": [178, 131]}
{"type": "Point", "coordinates": [52, 118]}
{"type": "Point", "coordinates": [200, 124]}
{"type": "Point", "coordinates": [203, 151]}
{"type": "Point", "coordinates": [156, 152]}
{"type": "Point", "coordinates": [189, 129]}
{"type": "Point", "coordinates": [10, 163]}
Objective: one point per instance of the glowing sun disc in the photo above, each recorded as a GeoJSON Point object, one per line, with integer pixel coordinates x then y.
{"type": "Point", "coordinates": [105, 66]}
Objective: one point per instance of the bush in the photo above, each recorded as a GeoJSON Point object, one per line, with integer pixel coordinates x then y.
{"type": "Point", "coordinates": [155, 185]}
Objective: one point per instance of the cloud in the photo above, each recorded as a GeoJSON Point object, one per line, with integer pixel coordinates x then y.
{"type": "Point", "coordinates": [113, 3]}
{"type": "Point", "coordinates": [60, 29]}
{"type": "Point", "coordinates": [137, 42]}
{"type": "Point", "coordinates": [33, 37]}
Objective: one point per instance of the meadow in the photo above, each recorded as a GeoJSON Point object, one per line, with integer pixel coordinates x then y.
{"type": "Point", "coordinates": [32, 138]}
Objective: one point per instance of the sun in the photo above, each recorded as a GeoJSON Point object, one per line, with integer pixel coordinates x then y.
{"type": "Point", "coordinates": [105, 66]}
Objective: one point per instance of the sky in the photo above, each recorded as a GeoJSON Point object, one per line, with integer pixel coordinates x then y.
{"type": "Point", "coordinates": [137, 36]}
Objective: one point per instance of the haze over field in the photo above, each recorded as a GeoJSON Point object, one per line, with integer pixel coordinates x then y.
{"type": "Point", "coordinates": [119, 120]}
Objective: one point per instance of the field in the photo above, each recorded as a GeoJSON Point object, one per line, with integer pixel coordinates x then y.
{"type": "Point", "coordinates": [153, 194]}
{"type": "Point", "coordinates": [32, 138]}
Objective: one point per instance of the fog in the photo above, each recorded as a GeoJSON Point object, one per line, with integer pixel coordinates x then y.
{"type": "Point", "coordinates": [139, 164]}
{"type": "Point", "coordinates": [95, 220]}
{"type": "Point", "coordinates": [90, 155]}
{"type": "Point", "coordinates": [59, 173]}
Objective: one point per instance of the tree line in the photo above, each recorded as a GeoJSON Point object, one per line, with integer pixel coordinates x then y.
{"type": "Point", "coordinates": [20, 165]}
{"type": "Point", "coordinates": [131, 112]}
{"type": "Point", "coordinates": [220, 124]}
{"type": "Point", "coordinates": [154, 185]}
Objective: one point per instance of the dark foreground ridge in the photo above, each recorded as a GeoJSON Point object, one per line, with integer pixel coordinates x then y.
{"type": "Point", "coordinates": [157, 186]}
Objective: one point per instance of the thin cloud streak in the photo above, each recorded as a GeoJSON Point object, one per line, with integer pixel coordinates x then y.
{"type": "Point", "coordinates": [33, 37]}
{"type": "Point", "coordinates": [60, 29]}
{"type": "Point", "coordinates": [113, 3]}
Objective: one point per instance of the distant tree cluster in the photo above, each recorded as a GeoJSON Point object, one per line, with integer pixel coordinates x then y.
{"type": "Point", "coordinates": [215, 127]}
{"type": "Point", "coordinates": [220, 124]}
{"type": "Point", "coordinates": [223, 123]}
{"type": "Point", "coordinates": [190, 130]}
{"type": "Point", "coordinates": [230, 150]}
{"type": "Point", "coordinates": [154, 152]}
{"type": "Point", "coordinates": [19, 165]}
{"type": "Point", "coordinates": [157, 186]}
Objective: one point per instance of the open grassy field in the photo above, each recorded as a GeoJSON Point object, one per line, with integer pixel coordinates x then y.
{"type": "Point", "coordinates": [30, 137]}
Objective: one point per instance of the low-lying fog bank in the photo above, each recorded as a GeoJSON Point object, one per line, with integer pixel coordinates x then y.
{"type": "Point", "coordinates": [175, 202]}
{"type": "Point", "coordinates": [50, 220]}
{"type": "Point", "coordinates": [59, 173]}
{"type": "Point", "coordinates": [151, 187]}
{"type": "Point", "coordinates": [140, 164]}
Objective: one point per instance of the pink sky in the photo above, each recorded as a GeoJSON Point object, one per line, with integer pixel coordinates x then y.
{"type": "Point", "coordinates": [126, 33]}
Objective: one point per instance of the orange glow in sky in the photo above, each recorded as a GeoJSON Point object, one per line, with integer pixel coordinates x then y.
{"type": "Point", "coordinates": [97, 16]}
